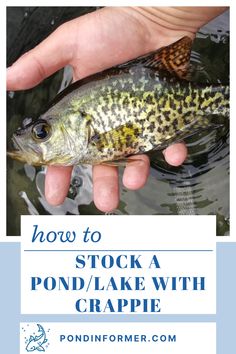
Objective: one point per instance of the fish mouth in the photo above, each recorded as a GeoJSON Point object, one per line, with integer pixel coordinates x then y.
{"type": "Point", "coordinates": [16, 143]}
{"type": "Point", "coordinates": [27, 157]}
{"type": "Point", "coordinates": [30, 156]}
{"type": "Point", "coordinates": [16, 155]}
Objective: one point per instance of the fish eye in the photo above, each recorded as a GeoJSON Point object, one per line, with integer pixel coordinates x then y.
{"type": "Point", "coordinates": [41, 131]}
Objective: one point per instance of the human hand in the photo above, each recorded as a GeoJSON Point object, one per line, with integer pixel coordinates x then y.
{"type": "Point", "coordinates": [93, 43]}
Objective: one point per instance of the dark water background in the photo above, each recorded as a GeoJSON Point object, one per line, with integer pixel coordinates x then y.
{"type": "Point", "coordinates": [200, 186]}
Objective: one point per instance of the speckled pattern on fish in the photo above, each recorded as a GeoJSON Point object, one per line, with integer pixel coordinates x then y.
{"type": "Point", "coordinates": [142, 105]}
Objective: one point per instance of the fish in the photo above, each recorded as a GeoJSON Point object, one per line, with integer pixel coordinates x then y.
{"type": "Point", "coordinates": [37, 342]}
{"type": "Point", "coordinates": [144, 104]}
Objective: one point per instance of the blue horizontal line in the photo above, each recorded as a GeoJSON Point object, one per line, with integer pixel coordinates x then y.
{"type": "Point", "coordinates": [53, 250]}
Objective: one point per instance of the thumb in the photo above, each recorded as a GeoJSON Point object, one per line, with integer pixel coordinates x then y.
{"type": "Point", "coordinates": [49, 56]}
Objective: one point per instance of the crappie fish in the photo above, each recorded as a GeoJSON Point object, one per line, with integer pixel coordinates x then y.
{"type": "Point", "coordinates": [144, 104]}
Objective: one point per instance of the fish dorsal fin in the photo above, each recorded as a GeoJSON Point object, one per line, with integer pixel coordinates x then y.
{"type": "Point", "coordinates": [172, 59]}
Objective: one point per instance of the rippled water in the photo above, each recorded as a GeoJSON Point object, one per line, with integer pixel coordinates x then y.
{"type": "Point", "coordinates": [199, 186]}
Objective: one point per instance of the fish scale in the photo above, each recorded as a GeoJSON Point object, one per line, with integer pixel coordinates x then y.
{"type": "Point", "coordinates": [161, 112]}
{"type": "Point", "coordinates": [138, 106]}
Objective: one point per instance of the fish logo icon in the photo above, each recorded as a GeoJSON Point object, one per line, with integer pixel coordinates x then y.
{"type": "Point", "coordinates": [36, 342]}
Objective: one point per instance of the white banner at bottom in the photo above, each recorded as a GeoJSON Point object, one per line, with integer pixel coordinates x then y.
{"type": "Point", "coordinates": [118, 337]}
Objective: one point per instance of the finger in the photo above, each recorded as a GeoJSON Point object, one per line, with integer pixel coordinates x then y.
{"type": "Point", "coordinates": [136, 173]}
{"type": "Point", "coordinates": [105, 187]}
{"type": "Point", "coordinates": [57, 184]}
{"type": "Point", "coordinates": [49, 56]}
{"type": "Point", "coordinates": [175, 154]}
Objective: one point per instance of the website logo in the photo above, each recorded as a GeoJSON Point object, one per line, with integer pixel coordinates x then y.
{"type": "Point", "coordinates": [35, 339]}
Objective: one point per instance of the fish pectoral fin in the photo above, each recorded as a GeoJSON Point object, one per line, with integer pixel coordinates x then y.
{"type": "Point", "coordinates": [40, 348]}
